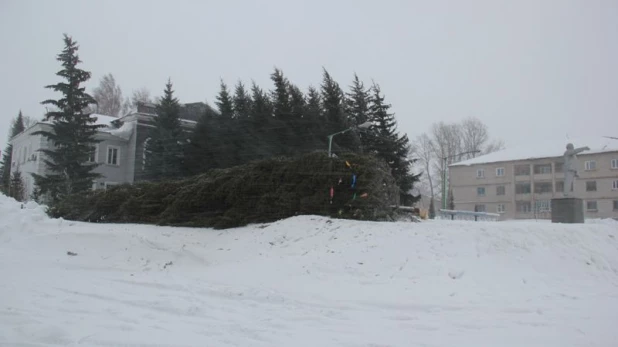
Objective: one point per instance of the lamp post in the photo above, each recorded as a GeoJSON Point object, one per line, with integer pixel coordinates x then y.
{"type": "Point", "coordinates": [330, 137]}
{"type": "Point", "coordinates": [444, 161]}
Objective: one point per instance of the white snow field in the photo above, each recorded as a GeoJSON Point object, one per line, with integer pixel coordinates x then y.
{"type": "Point", "coordinates": [306, 281]}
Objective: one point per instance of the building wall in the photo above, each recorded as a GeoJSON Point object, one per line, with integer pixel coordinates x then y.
{"type": "Point", "coordinates": [27, 157]}
{"type": "Point", "coordinates": [465, 181]}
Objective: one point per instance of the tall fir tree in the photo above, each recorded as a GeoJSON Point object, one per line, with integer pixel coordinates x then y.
{"type": "Point", "coordinates": [72, 134]}
{"type": "Point", "coordinates": [224, 102]}
{"type": "Point", "coordinates": [280, 96]}
{"type": "Point", "coordinates": [17, 189]}
{"type": "Point", "coordinates": [313, 109]}
{"type": "Point", "coordinates": [261, 108]}
{"type": "Point", "coordinates": [242, 102]}
{"type": "Point", "coordinates": [165, 147]}
{"type": "Point", "coordinates": [297, 102]}
{"type": "Point", "coordinates": [357, 102]}
{"type": "Point", "coordinates": [336, 120]}
{"type": "Point", "coordinates": [201, 151]}
{"type": "Point", "coordinates": [388, 145]}
{"type": "Point", "coordinates": [17, 127]}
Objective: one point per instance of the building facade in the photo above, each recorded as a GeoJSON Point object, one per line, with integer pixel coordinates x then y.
{"type": "Point", "coordinates": [120, 154]}
{"type": "Point", "coordinates": [523, 188]}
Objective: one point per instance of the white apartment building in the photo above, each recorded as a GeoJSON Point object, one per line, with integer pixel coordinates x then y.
{"type": "Point", "coordinates": [520, 183]}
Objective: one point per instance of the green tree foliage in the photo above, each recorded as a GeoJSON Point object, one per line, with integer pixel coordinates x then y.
{"type": "Point", "coordinates": [242, 102]}
{"type": "Point", "coordinates": [165, 147]}
{"type": "Point", "coordinates": [224, 102]}
{"type": "Point", "coordinates": [336, 120]}
{"type": "Point", "coordinates": [17, 127]}
{"type": "Point", "coordinates": [357, 102]}
{"type": "Point", "coordinates": [73, 131]}
{"type": "Point", "coordinates": [387, 144]}
{"type": "Point", "coordinates": [17, 189]}
{"type": "Point", "coordinates": [257, 192]}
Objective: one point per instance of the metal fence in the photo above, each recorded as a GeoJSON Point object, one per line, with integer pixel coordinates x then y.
{"type": "Point", "coordinates": [467, 215]}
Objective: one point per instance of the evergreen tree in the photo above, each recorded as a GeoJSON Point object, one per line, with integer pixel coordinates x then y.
{"type": "Point", "coordinates": [388, 145]}
{"type": "Point", "coordinates": [336, 120]}
{"type": "Point", "coordinates": [72, 134]}
{"type": "Point", "coordinates": [297, 102]}
{"type": "Point", "coordinates": [7, 157]}
{"type": "Point", "coordinates": [280, 96]}
{"type": "Point", "coordinates": [313, 109]}
{"type": "Point", "coordinates": [17, 189]}
{"type": "Point", "coordinates": [224, 102]}
{"type": "Point", "coordinates": [332, 102]}
{"type": "Point", "coordinates": [164, 149]}
{"type": "Point", "coordinates": [201, 152]}
{"type": "Point", "coordinates": [357, 102]}
{"type": "Point", "coordinates": [261, 110]}
{"type": "Point", "coordinates": [242, 102]}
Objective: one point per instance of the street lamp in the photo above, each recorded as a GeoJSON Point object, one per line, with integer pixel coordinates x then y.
{"type": "Point", "coordinates": [444, 160]}
{"type": "Point", "coordinates": [330, 137]}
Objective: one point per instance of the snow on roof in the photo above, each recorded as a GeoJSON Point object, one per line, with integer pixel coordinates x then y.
{"type": "Point", "coordinates": [543, 149]}
{"type": "Point", "coordinates": [101, 119]}
{"type": "Point", "coordinates": [125, 131]}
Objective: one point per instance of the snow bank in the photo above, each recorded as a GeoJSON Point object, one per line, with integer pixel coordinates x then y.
{"type": "Point", "coordinates": [306, 281]}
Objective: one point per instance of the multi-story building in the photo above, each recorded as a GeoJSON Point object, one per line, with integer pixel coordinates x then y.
{"type": "Point", "coordinates": [519, 184]}
{"type": "Point", "coordinates": [120, 152]}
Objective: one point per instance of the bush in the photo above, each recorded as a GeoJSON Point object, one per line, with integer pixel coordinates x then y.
{"type": "Point", "coordinates": [258, 192]}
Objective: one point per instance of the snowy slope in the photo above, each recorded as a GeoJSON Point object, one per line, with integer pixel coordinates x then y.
{"type": "Point", "coordinates": [306, 281]}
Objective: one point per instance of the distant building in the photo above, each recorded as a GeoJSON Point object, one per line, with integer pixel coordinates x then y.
{"type": "Point", "coordinates": [120, 154]}
{"type": "Point", "coordinates": [520, 183]}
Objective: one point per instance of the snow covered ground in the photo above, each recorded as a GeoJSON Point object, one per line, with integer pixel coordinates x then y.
{"type": "Point", "coordinates": [306, 281]}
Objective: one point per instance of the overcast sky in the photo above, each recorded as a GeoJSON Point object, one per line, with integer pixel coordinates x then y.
{"type": "Point", "coordinates": [527, 68]}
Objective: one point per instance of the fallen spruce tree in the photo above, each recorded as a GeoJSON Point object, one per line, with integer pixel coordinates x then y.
{"type": "Point", "coordinates": [257, 192]}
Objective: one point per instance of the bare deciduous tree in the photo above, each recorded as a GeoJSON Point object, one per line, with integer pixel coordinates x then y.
{"type": "Point", "coordinates": [423, 150]}
{"type": "Point", "coordinates": [140, 95]}
{"type": "Point", "coordinates": [109, 97]}
{"type": "Point", "coordinates": [474, 136]}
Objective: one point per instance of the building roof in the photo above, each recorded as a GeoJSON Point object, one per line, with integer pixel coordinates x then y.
{"type": "Point", "coordinates": [543, 149]}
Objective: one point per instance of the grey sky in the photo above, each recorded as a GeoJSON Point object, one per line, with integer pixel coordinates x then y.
{"type": "Point", "coordinates": [528, 69]}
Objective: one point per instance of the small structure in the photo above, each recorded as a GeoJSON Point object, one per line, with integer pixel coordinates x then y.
{"type": "Point", "coordinates": [569, 209]}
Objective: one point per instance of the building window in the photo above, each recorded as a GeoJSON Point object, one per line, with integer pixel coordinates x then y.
{"type": "Point", "coordinates": [92, 156]}
{"type": "Point", "coordinates": [113, 154]}
{"type": "Point", "coordinates": [542, 206]}
{"type": "Point", "coordinates": [479, 208]}
{"type": "Point", "coordinates": [480, 191]}
{"type": "Point", "coordinates": [591, 186]}
{"type": "Point", "coordinates": [524, 206]}
{"type": "Point", "coordinates": [542, 187]}
{"type": "Point", "coordinates": [500, 172]}
{"type": "Point", "coordinates": [590, 165]}
{"type": "Point", "coordinates": [591, 205]}
{"type": "Point", "coordinates": [559, 186]}
{"type": "Point", "coordinates": [522, 188]}
{"type": "Point", "coordinates": [558, 167]}
{"type": "Point", "coordinates": [500, 190]}
{"type": "Point", "coordinates": [480, 173]}
{"type": "Point", "coordinates": [615, 205]}
{"type": "Point", "coordinates": [501, 208]}
{"type": "Point", "coordinates": [615, 185]}
{"type": "Point", "coordinates": [614, 163]}
{"type": "Point", "coordinates": [541, 169]}
{"type": "Point", "coordinates": [522, 170]}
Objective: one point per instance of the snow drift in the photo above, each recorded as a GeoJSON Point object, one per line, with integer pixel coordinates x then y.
{"type": "Point", "coordinates": [306, 281]}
